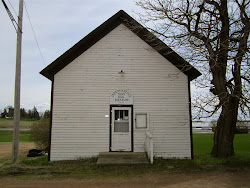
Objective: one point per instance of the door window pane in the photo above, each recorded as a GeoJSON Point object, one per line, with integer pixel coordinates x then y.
{"type": "Point", "coordinates": [121, 114]}
{"type": "Point", "coordinates": [121, 121]}
{"type": "Point", "coordinates": [121, 127]}
{"type": "Point", "coordinates": [125, 114]}
{"type": "Point", "coordinates": [117, 115]}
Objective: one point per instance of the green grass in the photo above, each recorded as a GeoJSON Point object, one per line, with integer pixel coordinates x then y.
{"type": "Point", "coordinates": [86, 168]}
{"type": "Point", "coordinates": [242, 145]}
{"type": "Point", "coordinates": [37, 161]}
{"type": "Point", "coordinates": [203, 144]}
{"type": "Point", "coordinates": [6, 136]}
{"type": "Point", "coordinates": [24, 123]}
{"type": "Point", "coordinates": [40, 167]}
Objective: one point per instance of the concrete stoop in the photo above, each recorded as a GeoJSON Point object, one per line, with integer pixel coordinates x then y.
{"type": "Point", "coordinates": [122, 158]}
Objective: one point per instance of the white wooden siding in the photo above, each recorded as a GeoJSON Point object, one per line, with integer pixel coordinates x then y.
{"type": "Point", "coordinates": [82, 90]}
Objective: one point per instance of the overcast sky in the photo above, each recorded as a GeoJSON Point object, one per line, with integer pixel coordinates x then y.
{"type": "Point", "coordinates": [58, 25]}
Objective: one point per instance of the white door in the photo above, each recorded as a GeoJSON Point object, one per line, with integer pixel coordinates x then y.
{"type": "Point", "coordinates": [121, 129]}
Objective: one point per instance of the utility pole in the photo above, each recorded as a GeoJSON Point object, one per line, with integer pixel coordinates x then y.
{"type": "Point", "coordinates": [16, 127]}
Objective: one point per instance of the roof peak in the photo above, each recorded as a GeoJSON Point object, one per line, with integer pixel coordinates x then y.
{"type": "Point", "coordinates": [101, 31]}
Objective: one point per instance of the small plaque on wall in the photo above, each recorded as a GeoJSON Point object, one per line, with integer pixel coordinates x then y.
{"type": "Point", "coordinates": [121, 96]}
{"type": "Point", "coordinates": [141, 121]}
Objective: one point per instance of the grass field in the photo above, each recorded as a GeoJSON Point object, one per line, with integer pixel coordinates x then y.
{"type": "Point", "coordinates": [40, 166]}
{"type": "Point", "coordinates": [24, 123]}
{"type": "Point", "coordinates": [203, 144]}
{"type": "Point", "coordinates": [6, 136]}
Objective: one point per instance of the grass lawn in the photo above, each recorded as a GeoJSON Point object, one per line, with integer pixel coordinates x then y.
{"type": "Point", "coordinates": [203, 144]}
{"type": "Point", "coordinates": [24, 123]}
{"type": "Point", "coordinates": [39, 167]}
{"type": "Point", "coordinates": [6, 136]}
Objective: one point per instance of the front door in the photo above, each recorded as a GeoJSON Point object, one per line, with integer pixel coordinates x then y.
{"type": "Point", "coordinates": [121, 129]}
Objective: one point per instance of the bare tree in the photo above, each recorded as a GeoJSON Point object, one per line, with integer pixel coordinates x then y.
{"type": "Point", "coordinates": [214, 36]}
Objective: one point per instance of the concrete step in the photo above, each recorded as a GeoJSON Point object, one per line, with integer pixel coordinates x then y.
{"type": "Point", "coordinates": [122, 158]}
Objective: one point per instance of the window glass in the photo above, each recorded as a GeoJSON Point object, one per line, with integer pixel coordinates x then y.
{"type": "Point", "coordinates": [117, 114]}
{"type": "Point", "coordinates": [126, 114]}
{"type": "Point", "coordinates": [121, 123]}
{"type": "Point", "coordinates": [121, 114]}
{"type": "Point", "coordinates": [121, 126]}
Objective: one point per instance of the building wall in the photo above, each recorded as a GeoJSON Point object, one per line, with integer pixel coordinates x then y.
{"type": "Point", "coordinates": [82, 90]}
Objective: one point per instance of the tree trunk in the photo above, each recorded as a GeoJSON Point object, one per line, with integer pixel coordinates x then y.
{"type": "Point", "coordinates": [224, 132]}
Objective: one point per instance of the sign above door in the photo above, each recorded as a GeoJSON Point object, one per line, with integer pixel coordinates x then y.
{"type": "Point", "coordinates": [121, 96]}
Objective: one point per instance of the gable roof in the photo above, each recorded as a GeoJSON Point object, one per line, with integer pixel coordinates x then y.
{"type": "Point", "coordinates": [103, 30]}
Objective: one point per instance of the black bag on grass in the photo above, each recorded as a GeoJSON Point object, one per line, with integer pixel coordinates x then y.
{"type": "Point", "coordinates": [35, 153]}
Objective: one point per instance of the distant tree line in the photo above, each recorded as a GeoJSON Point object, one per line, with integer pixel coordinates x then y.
{"type": "Point", "coordinates": [8, 112]}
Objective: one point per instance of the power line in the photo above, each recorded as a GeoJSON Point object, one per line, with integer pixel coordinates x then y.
{"type": "Point", "coordinates": [34, 34]}
{"type": "Point", "coordinates": [13, 21]}
{"type": "Point", "coordinates": [12, 8]}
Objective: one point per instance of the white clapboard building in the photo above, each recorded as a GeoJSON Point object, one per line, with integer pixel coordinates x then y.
{"type": "Point", "coordinates": [120, 89]}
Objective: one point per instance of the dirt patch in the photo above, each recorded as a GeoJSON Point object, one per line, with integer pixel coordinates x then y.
{"type": "Point", "coordinates": [6, 148]}
{"type": "Point", "coordinates": [171, 180]}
